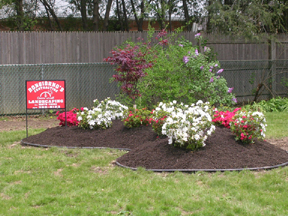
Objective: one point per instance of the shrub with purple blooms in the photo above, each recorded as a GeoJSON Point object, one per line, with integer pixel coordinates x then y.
{"type": "Point", "coordinates": [184, 73]}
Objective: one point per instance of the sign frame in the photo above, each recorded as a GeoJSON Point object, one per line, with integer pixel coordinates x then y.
{"type": "Point", "coordinates": [46, 108]}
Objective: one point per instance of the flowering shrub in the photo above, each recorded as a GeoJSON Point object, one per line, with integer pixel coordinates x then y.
{"type": "Point", "coordinates": [135, 118]}
{"type": "Point", "coordinates": [188, 127]}
{"type": "Point", "coordinates": [71, 117]}
{"type": "Point", "coordinates": [157, 125]}
{"type": "Point", "coordinates": [100, 116]}
{"type": "Point", "coordinates": [182, 72]}
{"type": "Point", "coordinates": [224, 118]}
{"type": "Point", "coordinates": [161, 112]}
{"type": "Point", "coordinates": [248, 125]}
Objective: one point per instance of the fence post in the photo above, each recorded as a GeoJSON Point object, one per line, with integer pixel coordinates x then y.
{"type": "Point", "coordinates": [273, 66]}
{"type": "Point", "coordinates": [42, 78]}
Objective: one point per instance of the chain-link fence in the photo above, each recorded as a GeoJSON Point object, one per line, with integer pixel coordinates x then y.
{"type": "Point", "coordinates": [86, 82]}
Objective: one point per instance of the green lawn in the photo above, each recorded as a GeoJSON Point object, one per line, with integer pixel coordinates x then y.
{"type": "Point", "coordinates": [37, 181]}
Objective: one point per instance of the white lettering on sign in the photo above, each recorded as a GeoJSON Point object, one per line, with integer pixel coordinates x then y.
{"type": "Point", "coordinates": [46, 85]}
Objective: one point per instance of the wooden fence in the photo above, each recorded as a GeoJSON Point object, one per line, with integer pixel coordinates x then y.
{"type": "Point", "coordinates": [91, 47]}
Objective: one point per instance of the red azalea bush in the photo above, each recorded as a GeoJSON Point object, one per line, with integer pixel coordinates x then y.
{"type": "Point", "coordinates": [71, 117]}
{"type": "Point", "coordinates": [135, 118]}
{"type": "Point", "coordinates": [224, 118]}
{"type": "Point", "coordinates": [157, 125]}
{"type": "Point", "coordinates": [248, 125]}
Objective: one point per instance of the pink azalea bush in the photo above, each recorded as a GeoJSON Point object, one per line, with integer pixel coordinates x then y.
{"type": "Point", "coordinates": [224, 118]}
{"type": "Point", "coordinates": [71, 117]}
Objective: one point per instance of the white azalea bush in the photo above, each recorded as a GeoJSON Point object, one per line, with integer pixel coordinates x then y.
{"type": "Point", "coordinates": [101, 115]}
{"type": "Point", "coordinates": [187, 126]}
{"type": "Point", "coordinates": [248, 125]}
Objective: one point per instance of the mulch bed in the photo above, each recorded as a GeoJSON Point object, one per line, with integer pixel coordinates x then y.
{"type": "Point", "coordinates": [151, 152]}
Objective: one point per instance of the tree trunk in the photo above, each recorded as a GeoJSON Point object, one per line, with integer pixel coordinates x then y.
{"type": "Point", "coordinates": [83, 14]}
{"type": "Point", "coordinates": [125, 16]}
{"type": "Point", "coordinates": [45, 3]}
{"type": "Point", "coordinates": [186, 15]}
{"type": "Point", "coordinates": [162, 15]}
{"type": "Point", "coordinates": [49, 19]}
{"type": "Point", "coordinates": [95, 15]}
{"type": "Point", "coordinates": [140, 27]}
{"type": "Point", "coordinates": [135, 14]}
{"type": "Point", "coordinates": [170, 14]}
{"type": "Point", "coordinates": [285, 16]}
{"type": "Point", "coordinates": [209, 26]}
{"type": "Point", "coordinates": [106, 18]}
{"type": "Point", "coordinates": [118, 15]}
{"type": "Point", "coordinates": [20, 14]}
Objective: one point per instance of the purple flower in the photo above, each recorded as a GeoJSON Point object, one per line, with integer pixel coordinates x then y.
{"type": "Point", "coordinates": [181, 45]}
{"type": "Point", "coordinates": [185, 59]}
{"type": "Point", "coordinates": [189, 52]}
{"type": "Point", "coordinates": [205, 48]}
{"type": "Point", "coordinates": [234, 99]}
{"type": "Point", "coordinates": [196, 52]}
{"type": "Point", "coordinates": [211, 67]}
{"type": "Point", "coordinates": [217, 77]}
{"type": "Point", "coordinates": [202, 67]}
{"type": "Point", "coordinates": [216, 65]}
{"type": "Point", "coordinates": [211, 80]}
{"type": "Point", "coordinates": [210, 70]}
{"type": "Point", "coordinates": [230, 90]}
{"type": "Point", "coordinates": [197, 35]}
{"type": "Point", "coordinates": [220, 71]}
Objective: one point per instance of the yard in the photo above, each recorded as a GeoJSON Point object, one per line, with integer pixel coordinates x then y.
{"type": "Point", "coordinates": [53, 181]}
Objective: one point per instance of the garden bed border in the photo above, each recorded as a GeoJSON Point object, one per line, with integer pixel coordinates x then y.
{"type": "Point", "coordinates": [160, 170]}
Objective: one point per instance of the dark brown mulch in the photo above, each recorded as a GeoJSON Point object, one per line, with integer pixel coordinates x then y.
{"type": "Point", "coordinates": [221, 150]}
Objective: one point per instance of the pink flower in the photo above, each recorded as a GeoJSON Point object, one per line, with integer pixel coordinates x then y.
{"type": "Point", "coordinates": [197, 35]}
{"type": "Point", "coordinates": [185, 59]}
{"type": "Point", "coordinates": [81, 108]}
{"type": "Point", "coordinates": [234, 99]}
{"type": "Point", "coordinates": [230, 90]}
{"type": "Point", "coordinates": [201, 67]}
{"type": "Point", "coordinates": [180, 45]}
{"type": "Point", "coordinates": [211, 80]}
{"type": "Point", "coordinates": [162, 33]}
{"type": "Point", "coordinates": [220, 71]}
{"type": "Point", "coordinates": [196, 52]}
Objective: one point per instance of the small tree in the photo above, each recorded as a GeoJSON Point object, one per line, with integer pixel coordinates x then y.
{"type": "Point", "coordinates": [130, 63]}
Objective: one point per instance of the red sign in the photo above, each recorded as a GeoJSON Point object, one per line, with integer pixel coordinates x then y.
{"type": "Point", "coordinates": [45, 94]}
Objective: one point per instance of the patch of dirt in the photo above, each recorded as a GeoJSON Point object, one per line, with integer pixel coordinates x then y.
{"type": "Point", "coordinates": [148, 151]}
{"type": "Point", "coordinates": [19, 123]}
{"type": "Point", "coordinates": [281, 143]}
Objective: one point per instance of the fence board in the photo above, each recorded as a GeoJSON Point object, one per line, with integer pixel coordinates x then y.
{"type": "Point", "coordinates": [84, 47]}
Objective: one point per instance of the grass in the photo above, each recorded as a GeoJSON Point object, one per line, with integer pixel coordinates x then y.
{"type": "Point", "coordinates": [277, 124]}
{"type": "Point", "coordinates": [38, 181]}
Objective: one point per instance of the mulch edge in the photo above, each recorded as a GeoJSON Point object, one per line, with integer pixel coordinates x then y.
{"type": "Point", "coordinates": [159, 170]}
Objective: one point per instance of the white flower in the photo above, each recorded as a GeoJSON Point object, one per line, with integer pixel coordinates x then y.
{"type": "Point", "coordinates": [199, 102]}
{"type": "Point", "coordinates": [79, 118]}
{"type": "Point", "coordinates": [174, 101]}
